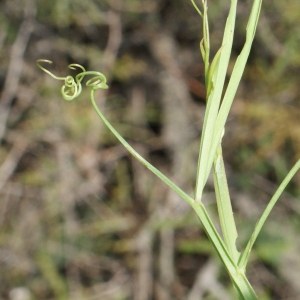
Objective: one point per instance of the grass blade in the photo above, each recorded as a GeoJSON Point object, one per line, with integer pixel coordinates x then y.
{"type": "Point", "coordinates": [236, 75]}
{"type": "Point", "coordinates": [206, 153]}
{"type": "Point", "coordinates": [245, 256]}
{"type": "Point", "coordinates": [224, 206]}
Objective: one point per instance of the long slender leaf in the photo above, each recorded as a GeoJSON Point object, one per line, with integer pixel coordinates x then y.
{"type": "Point", "coordinates": [236, 75]}
{"type": "Point", "coordinates": [206, 153]}
{"type": "Point", "coordinates": [224, 206]}
{"type": "Point", "coordinates": [245, 255]}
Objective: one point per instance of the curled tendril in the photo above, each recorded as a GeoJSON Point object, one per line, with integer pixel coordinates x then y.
{"type": "Point", "coordinates": [98, 81]}
{"type": "Point", "coordinates": [72, 86]}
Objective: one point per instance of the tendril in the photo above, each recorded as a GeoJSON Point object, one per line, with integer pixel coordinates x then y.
{"type": "Point", "coordinates": [72, 86]}
{"type": "Point", "coordinates": [72, 89]}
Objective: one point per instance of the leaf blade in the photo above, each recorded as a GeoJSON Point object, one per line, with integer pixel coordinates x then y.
{"type": "Point", "coordinates": [224, 206]}
{"type": "Point", "coordinates": [207, 153]}
{"type": "Point", "coordinates": [246, 253]}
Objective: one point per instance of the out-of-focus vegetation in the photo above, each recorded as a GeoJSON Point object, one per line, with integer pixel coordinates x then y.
{"type": "Point", "coordinates": [80, 218]}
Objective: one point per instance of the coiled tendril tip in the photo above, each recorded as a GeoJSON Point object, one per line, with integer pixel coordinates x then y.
{"type": "Point", "coordinates": [72, 86]}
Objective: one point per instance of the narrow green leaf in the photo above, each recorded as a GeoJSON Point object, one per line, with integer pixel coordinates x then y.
{"type": "Point", "coordinates": [207, 153]}
{"type": "Point", "coordinates": [224, 206]}
{"type": "Point", "coordinates": [245, 255]}
{"type": "Point", "coordinates": [211, 71]}
{"type": "Point", "coordinates": [202, 50]}
{"type": "Point", "coordinates": [236, 76]}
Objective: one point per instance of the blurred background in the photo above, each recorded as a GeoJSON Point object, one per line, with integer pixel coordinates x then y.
{"type": "Point", "coordinates": [79, 217]}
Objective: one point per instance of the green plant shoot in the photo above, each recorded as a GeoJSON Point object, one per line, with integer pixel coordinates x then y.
{"type": "Point", "coordinates": [210, 153]}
